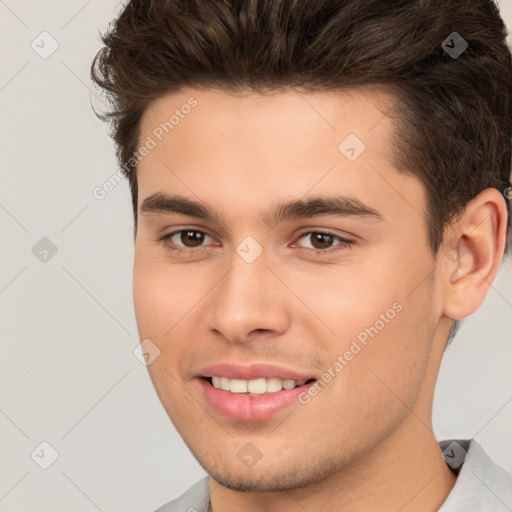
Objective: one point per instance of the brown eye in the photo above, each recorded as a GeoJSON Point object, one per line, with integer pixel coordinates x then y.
{"type": "Point", "coordinates": [324, 242]}
{"type": "Point", "coordinates": [192, 238]}
{"type": "Point", "coordinates": [321, 240]}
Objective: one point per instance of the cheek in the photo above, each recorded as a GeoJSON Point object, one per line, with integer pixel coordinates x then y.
{"type": "Point", "coordinates": [383, 324]}
{"type": "Point", "coordinates": [165, 299]}
{"type": "Point", "coordinates": [346, 302]}
{"type": "Point", "coordinates": [387, 374]}
{"type": "Point", "coordinates": [161, 295]}
{"type": "Point", "coordinates": [379, 383]}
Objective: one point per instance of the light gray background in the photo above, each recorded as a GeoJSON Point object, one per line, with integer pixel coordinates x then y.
{"type": "Point", "coordinates": [68, 373]}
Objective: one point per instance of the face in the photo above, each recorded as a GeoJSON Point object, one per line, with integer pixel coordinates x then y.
{"type": "Point", "coordinates": [283, 272]}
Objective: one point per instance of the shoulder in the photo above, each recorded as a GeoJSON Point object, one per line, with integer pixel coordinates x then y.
{"type": "Point", "coordinates": [481, 484]}
{"type": "Point", "coordinates": [195, 499]}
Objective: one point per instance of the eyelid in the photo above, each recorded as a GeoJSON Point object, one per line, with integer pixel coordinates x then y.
{"type": "Point", "coordinates": [165, 240]}
{"type": "Point", "coordinates": [324, 231]}
{"type": "Point", "coordinates": [168, 244]}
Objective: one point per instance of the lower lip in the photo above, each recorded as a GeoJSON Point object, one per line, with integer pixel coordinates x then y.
{"type": "Point", "coordinates": [250, 407]}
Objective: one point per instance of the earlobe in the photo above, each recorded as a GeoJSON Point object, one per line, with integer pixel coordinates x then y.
{"type": "Point", "coordinates": [476, 253]}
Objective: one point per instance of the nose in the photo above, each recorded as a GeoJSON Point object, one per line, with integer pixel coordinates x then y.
{"type": "Point", "coordinates": [248, 300]}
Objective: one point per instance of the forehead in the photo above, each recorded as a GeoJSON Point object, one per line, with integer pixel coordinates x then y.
{"type": "Point", "coordinates": [318, 115]}
{"type": "Point", "coordinates": [246, 148]}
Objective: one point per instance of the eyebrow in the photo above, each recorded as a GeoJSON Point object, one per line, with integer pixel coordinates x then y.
{"type": "Point", "coordinates": [339, 206]}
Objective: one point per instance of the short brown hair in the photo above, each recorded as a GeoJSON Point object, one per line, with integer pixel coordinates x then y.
{"type": "Point", "coordinates": [454, 112]}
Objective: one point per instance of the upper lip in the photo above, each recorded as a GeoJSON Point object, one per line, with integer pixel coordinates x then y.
{"type": "Point", "coordinates": [252, 371]}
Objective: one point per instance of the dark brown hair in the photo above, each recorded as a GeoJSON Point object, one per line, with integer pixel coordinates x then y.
{"type": "Point", "coordinates": [453, 112]}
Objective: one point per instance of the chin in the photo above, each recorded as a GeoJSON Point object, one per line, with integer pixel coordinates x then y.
{"type": "Point", "coordinates": [280, 476]}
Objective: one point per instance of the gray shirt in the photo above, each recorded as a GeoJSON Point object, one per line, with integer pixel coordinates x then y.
{"type": "Point", "coordinates": [481, 486]}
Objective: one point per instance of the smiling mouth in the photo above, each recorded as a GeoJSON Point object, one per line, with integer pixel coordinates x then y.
{"type": "Point", "coordinates": [253, 387]}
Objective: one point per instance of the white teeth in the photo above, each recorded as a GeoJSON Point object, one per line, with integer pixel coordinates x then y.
{"type": "Point", "coordinates": [274, 385]}
{"type": "Point", "coordinates": [238, 386]}
{"type": "Point", "coordinates": [224, 383]}
{"type": "Point", "coordinates": [288, 384]}
{"type": "Point", "coordinates": [255, 386]}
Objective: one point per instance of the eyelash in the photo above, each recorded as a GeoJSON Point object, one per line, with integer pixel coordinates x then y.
{"type": "Point", "coordinates": [343, 245]}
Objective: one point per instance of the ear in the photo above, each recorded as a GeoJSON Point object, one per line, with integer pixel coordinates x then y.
{"type": "Point", "coordinates": [473, 248]}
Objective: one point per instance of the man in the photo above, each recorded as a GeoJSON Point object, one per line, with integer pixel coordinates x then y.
{"type": "Point", "coordinates": [320, 195]}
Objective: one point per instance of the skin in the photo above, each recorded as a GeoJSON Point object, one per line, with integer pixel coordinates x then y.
{"type": "Point", "coordinates": [365, 442]}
